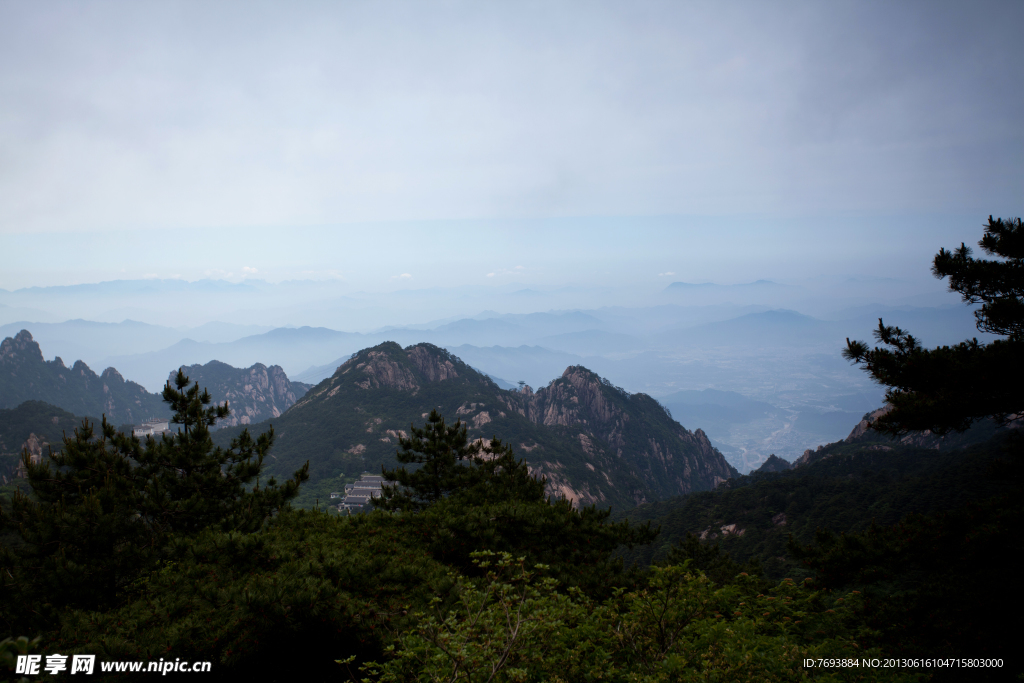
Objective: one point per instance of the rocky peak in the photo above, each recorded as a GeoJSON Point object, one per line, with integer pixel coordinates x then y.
{"type": "Point", "coordinates": [27, 377]}
{"type": "Point", "coordinates": [380, 369]}
{"type": "Point", "coordinates": [253, 394]}
{"type": "Point", "coordinates": [862, 426]}
{"type": "Point", "coordinates": [578, 396]}
{"type": "Point", "coordinates": [774, 464]}
{"type": "Point", "coordinates": [390, 366]}
{"type": "Point", "coordinates": [110, 374]}
{"type": "Point", "coordinates": [618, 425]}
{"type": "Point", "coordinates": [435, 363]}
{"type": "Point", "coordinates": [20, 349]}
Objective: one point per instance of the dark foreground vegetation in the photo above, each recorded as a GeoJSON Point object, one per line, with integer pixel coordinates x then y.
{"type": "Point", "coordinates": [138, 552]}
{"type": "Point", "coordinates": [466, 571]}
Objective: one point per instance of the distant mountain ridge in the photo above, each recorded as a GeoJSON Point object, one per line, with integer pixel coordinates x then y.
{"type": "Point", "coordinates": [596, 444]}
{"type": "Point", "coordinates": [25, 376]}
{"type": "Point", "coordinates": [709, 285]}
{"type": "Point", "coordinates": [253, 394]}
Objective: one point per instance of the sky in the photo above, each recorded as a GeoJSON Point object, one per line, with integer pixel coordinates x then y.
{"type": "Point", "coordinates": [393, 145]}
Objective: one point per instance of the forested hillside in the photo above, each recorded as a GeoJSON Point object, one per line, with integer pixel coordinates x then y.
{"type": "Point", "coordinates": [850, 487]}
{"type": "Point", "coordinates": [216, 568]}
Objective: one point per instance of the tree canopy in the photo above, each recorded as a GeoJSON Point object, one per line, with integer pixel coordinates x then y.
{"type": "Point", "coordinates": [105, 508]}
{"type": "Point", "coordinates": [950, 387]}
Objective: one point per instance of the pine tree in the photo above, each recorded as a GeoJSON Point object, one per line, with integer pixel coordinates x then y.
{"type": "Point", "coordinates": [951, 387]}
{"type": "Point", "coordinates": [439, 450]}
{"type": "Point", "coordinates": [192, 484]}
{"type": "Point", "coordinates": [105, 507]}
{"type": "Point", "coordinates": [79, 539]}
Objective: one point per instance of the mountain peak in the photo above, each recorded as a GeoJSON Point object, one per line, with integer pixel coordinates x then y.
{"type": "Point", "coordinates": [388, 365]}
{"type": "Point", "coordinates": [581, 372]}
{"type": "Point", "coordinates": [20, 348]}
{"type": "Point", "coordinates": [595, 443]}
{"type": "Point", "coordinates": [26, 376]}
{"type": "Point", "coordinates": [773, 464]}
{"type": "Point", "coordinates": [253, 394]}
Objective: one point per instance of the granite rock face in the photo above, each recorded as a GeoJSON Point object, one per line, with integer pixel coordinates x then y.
{"type": "Point", "coordinates": [253, 394]}
{"type": "Point", "coordinates": [632, 428]}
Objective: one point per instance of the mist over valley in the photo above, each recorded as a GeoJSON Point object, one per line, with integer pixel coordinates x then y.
{"type": "Point", "coordinates": [706, 352]}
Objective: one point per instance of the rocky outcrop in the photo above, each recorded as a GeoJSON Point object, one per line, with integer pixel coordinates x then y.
{"type": "Point", "coordinates": [773, 464]}
{"type": "Point", "coordinates": [25, 376]}
{"type": "Point", "coordinates": [725, 530]}
{"type": "Point", "coordinates": [862, 427]}
{"type": "Point", "coordinates": [633, 427]}
{"type": "Point", "coordinates": [575, 398]}
{"type": "Point", "coordinates": [434, 367]}
{"type": "Point", "coordinates": [925, 439]}
{"type": "Point", "coordinates": [378, 369]}
{"type": "Point", "coordinates": [34, 446]}
{"type": "Point", "coordinates": [253, 394]}
{"type": "Point", "coordinates": [862, 435]}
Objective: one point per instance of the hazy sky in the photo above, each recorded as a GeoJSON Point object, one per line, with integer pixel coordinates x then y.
{"type": "Point", "coordinates": [466, 142]}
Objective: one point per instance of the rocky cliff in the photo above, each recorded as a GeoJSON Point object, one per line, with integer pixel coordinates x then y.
{"type": "Point", "coordinates": [631, 428]}
{"type": "Point", "coordinates": [25, 376]}
{"type": "Point", "coordinates": [253, 394]}
{"type": "Point", "coordinates": [594, 443]}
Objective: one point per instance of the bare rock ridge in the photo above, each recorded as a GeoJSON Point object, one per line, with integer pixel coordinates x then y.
{"type": "Point", "coordinates": [26, 376]}
{"type": "Point", "coordinates": [613, 421]}
{"type": "Point", "coordinates": [595, 443]}
{"type": "Point", "coordinates": [253, 394]}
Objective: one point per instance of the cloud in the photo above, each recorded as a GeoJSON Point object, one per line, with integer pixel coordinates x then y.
{"type": "Point", "coordinates": [275, 119]}
{"type": "Point", "coordinates": [403, 276]}
{"type": "Point", "coordinates": [666, 274]}
{"type": "Point", "coordinates": [248, 270]}
{"type": "Point", "coordinates": [516, 270]}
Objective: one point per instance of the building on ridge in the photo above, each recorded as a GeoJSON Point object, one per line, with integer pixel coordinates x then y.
{"type": "Point", "coordinates": [358, 495]}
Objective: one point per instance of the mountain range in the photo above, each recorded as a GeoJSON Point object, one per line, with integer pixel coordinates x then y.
{"type": "Point", "coordinates": [595, 443]}
{"type": "Point", "coordinates": [253, 394]}
{"type": "Point", "coordinates": [25, 376]}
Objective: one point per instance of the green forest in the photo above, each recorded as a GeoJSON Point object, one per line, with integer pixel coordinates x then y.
{"type": "Point", "coordinates": [878, 561]}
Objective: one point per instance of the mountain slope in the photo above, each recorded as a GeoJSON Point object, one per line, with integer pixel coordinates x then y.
{"type": "Point", "coordinates": [595, 443]}
{"type": "Point", "coordinates": [849, 487]}
{"type": "Point", "coordinates": [33, 425]}
{"type": "Point", "coordinates": [254, 394]}
{"type": "Point", "coordinates": [25, 376]}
